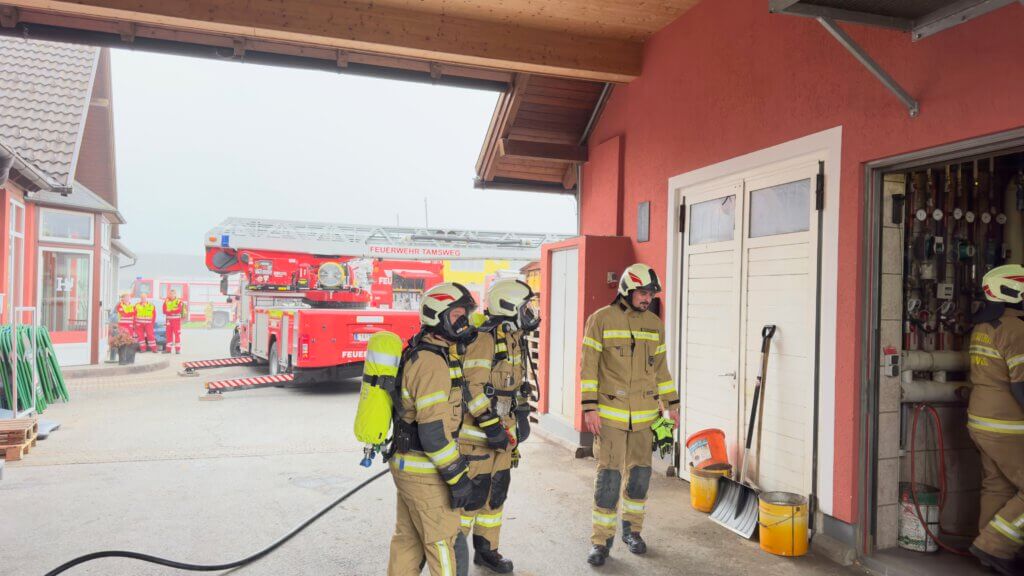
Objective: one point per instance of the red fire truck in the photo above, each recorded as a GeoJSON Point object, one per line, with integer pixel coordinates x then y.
{"type": "Point", "coordinates": [201, 297]}
{"type": "Point", "coordinates": [312, 294]}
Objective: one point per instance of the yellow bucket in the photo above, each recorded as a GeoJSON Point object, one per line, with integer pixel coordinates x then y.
{"type": "Point", "coordinates": [704, 485]}
{"type": "Point", "coordinates": [782, 525]}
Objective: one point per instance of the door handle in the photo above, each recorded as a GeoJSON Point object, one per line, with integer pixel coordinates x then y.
{"type": "Point", "coordinates": [733, 374]}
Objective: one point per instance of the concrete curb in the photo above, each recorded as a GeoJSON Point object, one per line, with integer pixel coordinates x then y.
{"type": "Point", "coordinates": [98, 371]}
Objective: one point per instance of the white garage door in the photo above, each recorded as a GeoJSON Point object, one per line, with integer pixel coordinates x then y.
{"type": "Point", "coordinates": [749, 260]}
{"type": "Point", "coordinates": [562, 341]}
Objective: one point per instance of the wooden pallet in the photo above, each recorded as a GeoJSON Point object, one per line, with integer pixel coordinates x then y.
{"type": "Point", "coordinates": [17, 437]}
{"type": "Point", "coordinates": [14, 432]}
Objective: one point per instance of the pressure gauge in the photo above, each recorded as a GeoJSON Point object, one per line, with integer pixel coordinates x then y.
{"type": "Point", "coordinates": [922, 214]}
{"type": "Point", "coordinates": [330, 275]}
{"type": "Point", "coordinates": [958, 213]}
{"type": "Point", "coordinates": [1001, 219]}
{"type": "Point", "coordinates": [969, 216]}
{"type": "Point", "coordinates": [937, 215]}
{"type": "Point", "coordinates": [986, 217]}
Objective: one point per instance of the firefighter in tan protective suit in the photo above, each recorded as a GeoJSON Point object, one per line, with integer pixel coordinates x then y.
{"type": "Point", "coordinates": [625, 385]}
{"type": "Point", "coordinates": [995, 418]}
{"type": "Point", "coordinates": [498, 416]}
{"type": "Point", "coordinates": [430, 474]}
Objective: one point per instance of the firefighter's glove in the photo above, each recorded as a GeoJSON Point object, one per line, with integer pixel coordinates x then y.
{"type": "Point", "coordinates": [523, 423]}
{"type": "Point", "coordinates": [662, 428]}
{"type": "Point", "coordinates": [461, 492]}
{"type": "Point", "coordinates": [497, 437]}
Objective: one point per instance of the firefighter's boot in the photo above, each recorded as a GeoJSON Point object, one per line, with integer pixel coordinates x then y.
{"type": "Point", "coordinates": [490, 559]}
{"type": "Point", "coordinates": [998, 565]}
{"type": "Point", "coordinates": [598, 554]}
{"type": "Point", "coordinates": [633, 540]}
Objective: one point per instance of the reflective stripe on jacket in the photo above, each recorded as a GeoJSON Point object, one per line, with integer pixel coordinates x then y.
{"type": "Point", "coordinates": [997, 359]}
{"type": "Point", "coordinates": [173, 308]}
{"type": "Point", "coordinates": [623, 372]}
{"type": "Point", "coordinates": [144, 312]}
{"type": "Point", "coordinates": [494, 358]}
{"type": "Point", "coordinates": [125, 313]}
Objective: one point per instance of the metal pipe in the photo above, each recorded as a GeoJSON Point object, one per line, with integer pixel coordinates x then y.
{"type": "Point", "coordinates": [853, 48]}
{"type": "Point", "coordinates": [606, 91]}
{"type": "Point", "coordinates": [932, 391]}
{"type": "Point", "coordinates": [946, 361]}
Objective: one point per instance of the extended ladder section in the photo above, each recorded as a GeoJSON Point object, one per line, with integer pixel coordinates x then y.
{"type": "Point", "coordinates": [234, 384]}
{"type": "Point", "coordinates": [376, 241]}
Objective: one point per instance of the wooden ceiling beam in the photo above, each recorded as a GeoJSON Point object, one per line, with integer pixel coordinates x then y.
{"type": "Point", "coordinates": [527, 150]}
{"type": "Point", "coordinates": [373, 29]}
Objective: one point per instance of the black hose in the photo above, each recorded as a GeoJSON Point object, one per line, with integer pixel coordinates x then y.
{"type": "Point", "coordinates": [214, 567]}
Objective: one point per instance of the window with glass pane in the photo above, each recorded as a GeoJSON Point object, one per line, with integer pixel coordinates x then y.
{"type": "Point", "coordinates": [781, 209]}
{"type": "Point", "coordinates": [713, 220]}
{"type": "Point", "coordinates": [65, 226]}
{"type": "Point", "coordinates": [65, 295]}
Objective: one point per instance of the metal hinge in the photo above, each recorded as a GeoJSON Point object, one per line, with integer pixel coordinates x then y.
{"type": "Point", "coordinates": [682, 217]}
{"type": "Point", "coordinates": [819, 191]}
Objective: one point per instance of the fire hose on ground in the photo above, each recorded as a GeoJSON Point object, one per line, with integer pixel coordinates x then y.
{"type": "Point", "coordinates": [215, 567]}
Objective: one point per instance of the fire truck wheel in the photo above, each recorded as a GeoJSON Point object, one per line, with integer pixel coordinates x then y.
{"type": "Point", "coordinates": [273, 361]}
{"type": "Point", "coordinates": [236, 345]}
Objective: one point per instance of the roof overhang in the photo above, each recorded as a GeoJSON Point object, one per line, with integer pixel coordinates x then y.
{"type": "Point", "coordinates": [598, 40]}
{"type": "Point", "coordinates": [26, 176]}
{"type": "Point", "coordinates": [921, 18]}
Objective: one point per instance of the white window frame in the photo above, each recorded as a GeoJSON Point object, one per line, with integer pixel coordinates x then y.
{"type": "Point", "coordinates": [61, 240]}
{"type": "Point", "coordinates": [15, 282]}
{"type": "Point", "coordinates": [76, 346]}
{"type": "Point", "coordinates": [828, 144]}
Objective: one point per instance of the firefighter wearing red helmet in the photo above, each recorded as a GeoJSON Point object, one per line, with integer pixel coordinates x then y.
{"type": "Point", "coordinates": [625, 386]}
{"type": "Point", "coordinates": [995, 417]}
{"type": "Point", "coordinates": [429, 472]}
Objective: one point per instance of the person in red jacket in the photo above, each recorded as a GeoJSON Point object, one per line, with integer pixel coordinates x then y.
{"type": "Point", "coordinates": [173, 310]}
{"type": "Point", "coordinates": [145, 316]}
{"type": "Point", "coordinates": [125, 315]}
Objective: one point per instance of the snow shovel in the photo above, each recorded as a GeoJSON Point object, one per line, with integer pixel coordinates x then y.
{"type": "Point", "coordinates": [736, 506]}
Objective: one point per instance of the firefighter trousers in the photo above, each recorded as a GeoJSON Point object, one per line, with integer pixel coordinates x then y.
{"type": "Point", "coordinates": [1002, 492]}
{"type": "Point", "coordinates": [144, 334]}
{"type": "Point", "coordinates": [490, 471]}
{"type": "Point", "coordinates": [623, 469]}
{"type": "Point", "coordinates": [426, 528]}
{"type": "Point", "coordinates": [173, 335]}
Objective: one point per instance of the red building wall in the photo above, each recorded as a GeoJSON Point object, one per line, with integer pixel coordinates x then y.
{"type": "Point", "coordinates": [728, 78]}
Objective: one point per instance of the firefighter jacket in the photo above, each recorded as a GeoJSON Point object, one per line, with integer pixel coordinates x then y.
{"type": "Point", "coordinates": [494, 373]}
{"type": "Point", "coordinates": [173, 309]}
{"type": "Point", "coordinates": [623, 371]}
{"type": "Point", "coordinates": [144, 312]}
{"type": "Point", "coordinates": [997, 359]}
{"type": "Point", "coordinates": [125, 312]}
{"type": "Point", "coordinates": [431, 406]}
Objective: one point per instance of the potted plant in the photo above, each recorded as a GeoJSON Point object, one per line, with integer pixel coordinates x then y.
{"type": "Point", "coordinates": [125, 345]}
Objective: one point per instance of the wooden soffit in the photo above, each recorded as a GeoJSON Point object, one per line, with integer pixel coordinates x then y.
{"type": "Point", "coordinates": [598, 40]}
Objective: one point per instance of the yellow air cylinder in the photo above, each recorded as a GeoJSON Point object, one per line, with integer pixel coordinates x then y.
{"type": "Point", "coordinates": [373, 414]}
{"type": "Point", "coordinates": [782, 524]}
{"type": "Point", "coordinates": [704, 485]}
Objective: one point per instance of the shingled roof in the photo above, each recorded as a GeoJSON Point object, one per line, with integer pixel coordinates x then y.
{"type": "Point", "coordinates": [44, 97]}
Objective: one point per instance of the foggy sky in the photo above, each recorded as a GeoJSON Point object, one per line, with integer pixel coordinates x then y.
{"type": "Point", "coordinates": [198, 141]}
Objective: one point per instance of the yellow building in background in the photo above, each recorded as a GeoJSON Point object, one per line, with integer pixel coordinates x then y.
{"type": "Point", "coordinates": [475, 275]}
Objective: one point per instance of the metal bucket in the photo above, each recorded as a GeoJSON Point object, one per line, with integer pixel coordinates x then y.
{"type": "Point", "coordinates": [704, 485]}
{"type": "Point", "coordinates": [782, 523]}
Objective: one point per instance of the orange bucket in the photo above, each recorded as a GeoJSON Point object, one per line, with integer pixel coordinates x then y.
{"type": "Point", "coordinates": [704, 485]}
{"type": "Point", "coordinates": [707, 447]}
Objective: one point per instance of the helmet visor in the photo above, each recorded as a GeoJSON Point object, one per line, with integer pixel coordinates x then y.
{"type": "Point", "coordinates": [529, 314]}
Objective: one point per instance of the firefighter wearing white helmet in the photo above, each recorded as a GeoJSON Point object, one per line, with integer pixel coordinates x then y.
{"type": "Point", "coordinates": [497, 420]}
{"type": "Point", "coordinates": [995, 416]}
{"type": "Point", "coordinates": [625, 385]}
{"type": "Point", "coordinates": [428, 470]}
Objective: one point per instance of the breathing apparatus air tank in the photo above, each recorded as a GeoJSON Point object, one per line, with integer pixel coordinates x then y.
{"type": "Point", "coordinates": [380, 380]}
